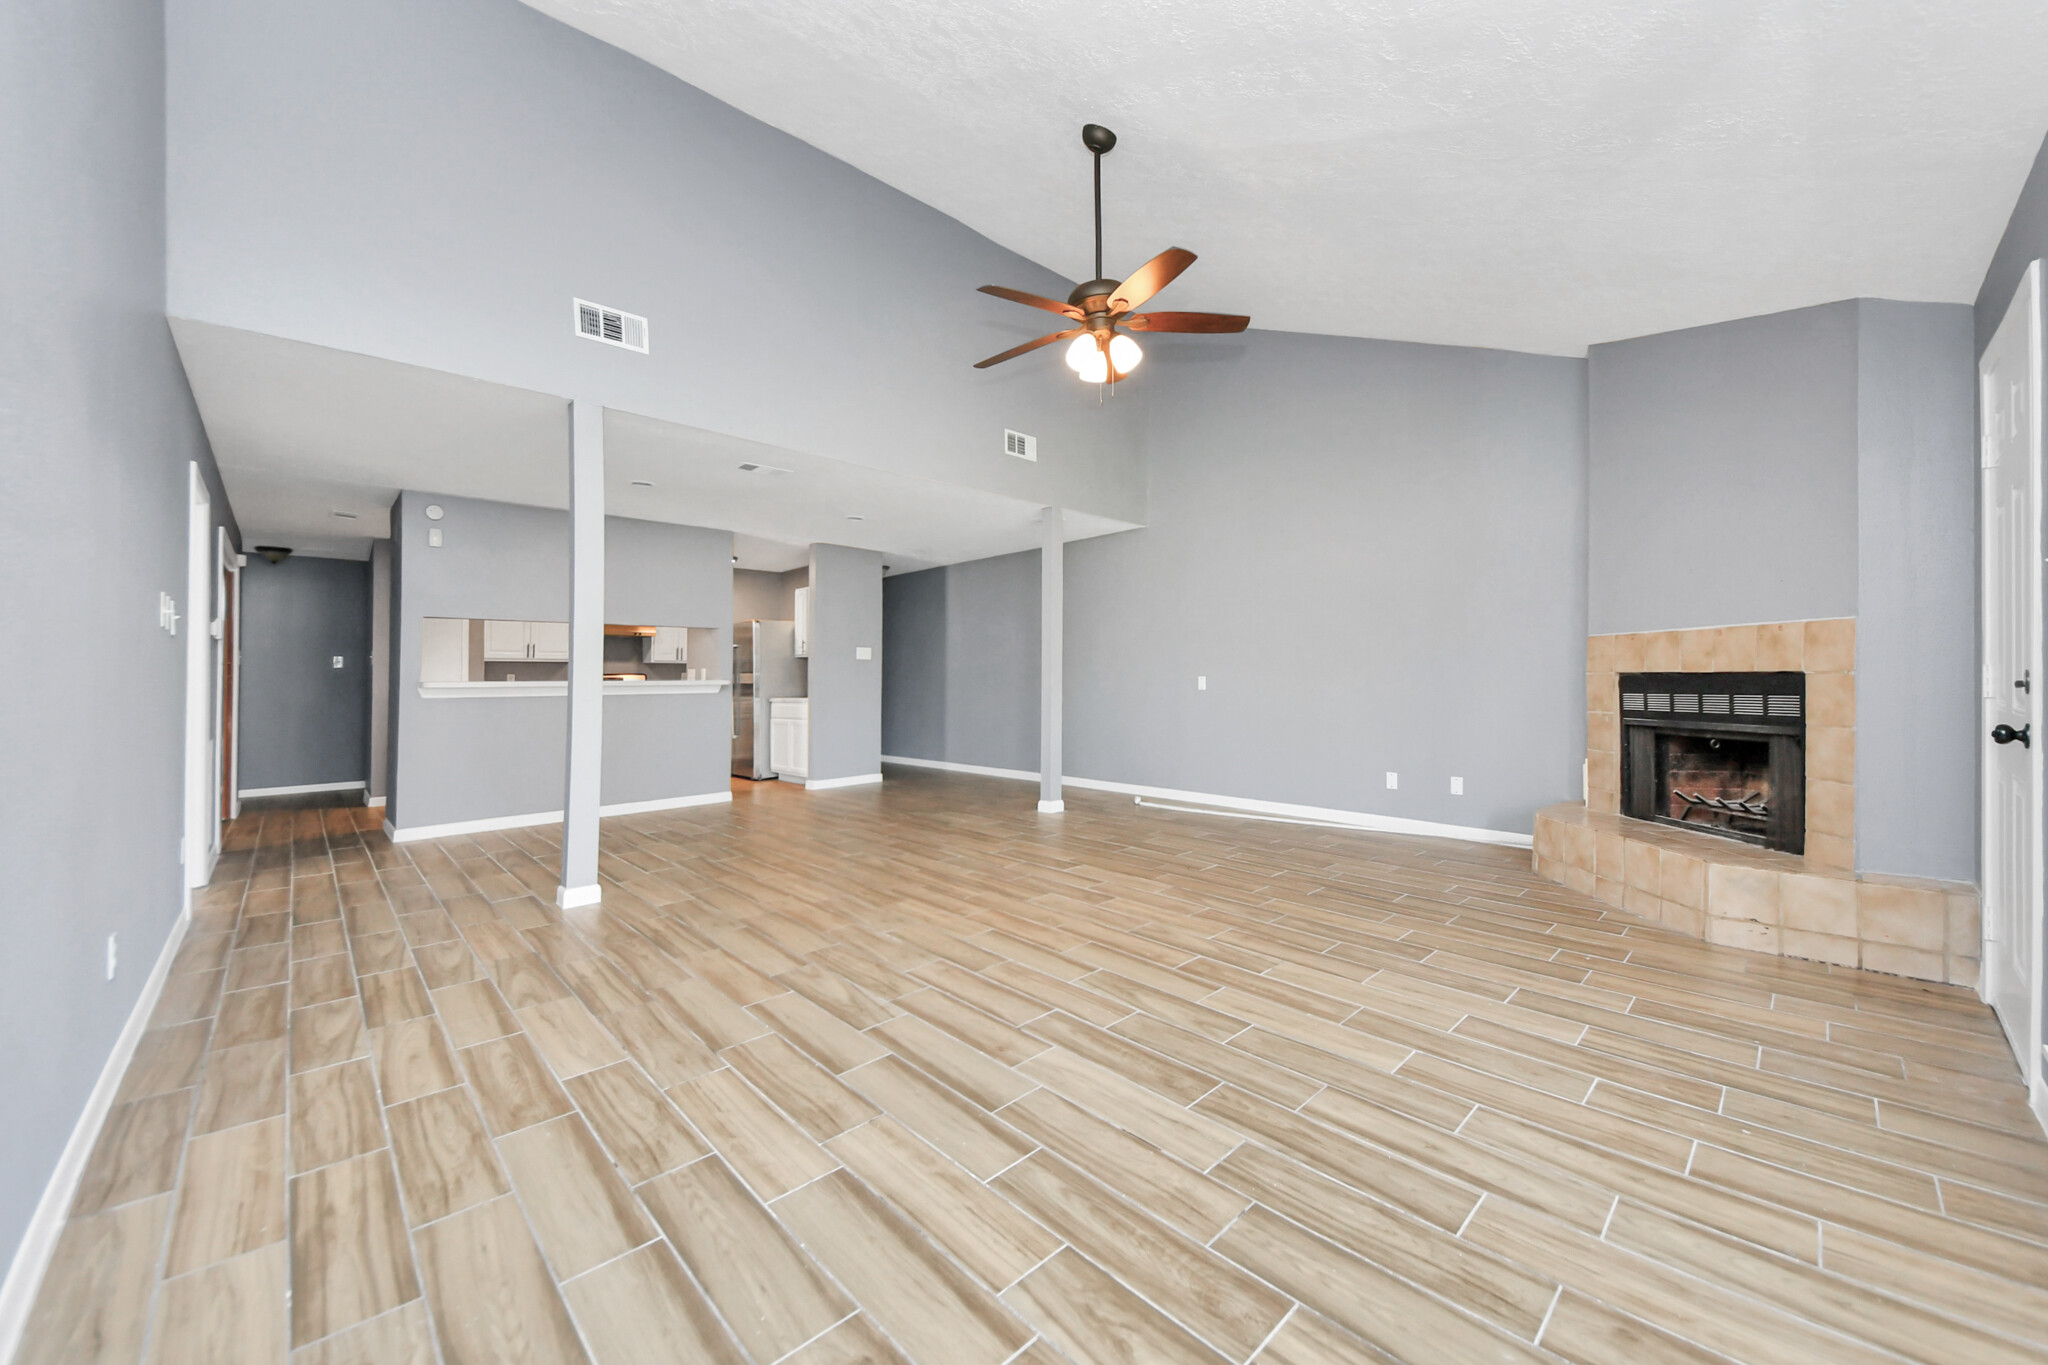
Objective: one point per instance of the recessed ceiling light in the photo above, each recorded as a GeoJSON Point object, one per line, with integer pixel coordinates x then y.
{"type": "Point", "coordinates": [643, 483]}
{"type": "Point", "coordinates": [346, 516]}
{"type": "Point", "coordinates": [851, 518]}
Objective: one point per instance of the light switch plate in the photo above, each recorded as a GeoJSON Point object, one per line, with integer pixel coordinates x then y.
{"type": "Point", "coordinates": [434, 537]}
{"type": "Point", "coordinates": [337, 661]}
{"type": "Point", "coordinates": [1457, 786]}
{"type": "Point", "coordinates": [1201, 682]}
{"type": "Point", "coordinates": [863, 652]}
{"type": "Point", "coordinates": [1393, 781]}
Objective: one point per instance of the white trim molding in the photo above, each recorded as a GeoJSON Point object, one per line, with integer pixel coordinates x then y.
{"type": "Point", "coordinates": [1052, 808]}
{"type": "Point", "coordinates": [373, 800]}
{"type": "Point", "coordinates": [576, 897]}
{"type": "Point", "coordinates": [1017, 774]}
{"type": "Point", "coordinates": [413, 833]}
{"type": "Point", "coordinates": [818, 784]}
{"type": "Point", "coordinates": [39, 1241]}
{"type": "Point", "coordinates": [1321, 815]}
{"type": "Point", "coordinates": [303, 790]}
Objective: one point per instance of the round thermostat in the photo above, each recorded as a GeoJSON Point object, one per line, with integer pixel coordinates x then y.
{"type": "Point", "coordinates": [434, 512]}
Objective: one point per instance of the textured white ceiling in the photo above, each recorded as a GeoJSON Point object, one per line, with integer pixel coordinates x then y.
{"type": "Point", "coordinates": [1530, 174]}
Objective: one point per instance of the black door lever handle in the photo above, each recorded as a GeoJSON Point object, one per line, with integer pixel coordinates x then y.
{"type": "Point", "coordinates": [2005, 734]}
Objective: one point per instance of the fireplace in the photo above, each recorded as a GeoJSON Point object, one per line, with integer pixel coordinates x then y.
{"type": "Point", "coordinates": [1722, 753]}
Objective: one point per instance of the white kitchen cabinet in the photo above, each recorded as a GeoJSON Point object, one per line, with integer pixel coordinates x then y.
{"type": "Point", "coordinates": [444, 649]}
{"type": "Point", "coordinates": [526, 640]}
{"type": "Point", "coordinates": [668, 645]}
{"type": "Point", "coordinates": [505, 640]}
{"type": "Point", "coordinates": [550, 640]}
{"type": "Point", "coordinates": [803, 623]}
{"type": "Point", "coordinates": [789, 736]}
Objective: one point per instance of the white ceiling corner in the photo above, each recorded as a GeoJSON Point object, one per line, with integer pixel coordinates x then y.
{"type": "Point", "coordinates": [1530, 174]}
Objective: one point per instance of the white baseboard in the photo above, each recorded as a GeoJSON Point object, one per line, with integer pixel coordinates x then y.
{"type": "Point", "coordinates": [1322, 815]}
{"type": "Point", "coordinates": [1052, 808]}
{"type": "Point", "coordinates": [546, 817]}
{"type": "Point", "coordinates": [39, 1242]}
{"type": "Point", "coordinates": [576, 897]}
{"type": "Point", "coordinates": [1018, 773]}
{"type": "Point", "coordinates": [373, 800]}
{"type": "Point", "coordinates": [818, 784]}
{"type": "Point", "coordinates": [248, 792]}
{"type": "Point", "coordinates": [666, 803]}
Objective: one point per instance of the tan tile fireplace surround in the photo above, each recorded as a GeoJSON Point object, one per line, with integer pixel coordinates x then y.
{"type": "Point", "coordinates": [1733, 893]}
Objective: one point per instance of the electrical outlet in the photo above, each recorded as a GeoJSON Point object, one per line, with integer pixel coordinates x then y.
{"type": "Point", "coordinates": [1457, 786]}
{"type": "Point", "coordinates": [113, 954]}
{"type": "Point", "coordinates": [863, 651]}
{"type": "Point", "coordinates": [1393, 781]}
{"type": "Point", "coordinates": [1202, 683]}
{"type": "Point", "coordinates": [337, 661]}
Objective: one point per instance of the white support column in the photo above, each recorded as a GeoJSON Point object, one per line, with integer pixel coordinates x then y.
{"type": "Point", "coordinates": [585, 765]}
{"type": "Point", "coordinates": [1052, 632]}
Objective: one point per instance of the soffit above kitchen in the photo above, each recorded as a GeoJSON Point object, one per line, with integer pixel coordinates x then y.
{"type": "Point", "coordinates": [303, 432]}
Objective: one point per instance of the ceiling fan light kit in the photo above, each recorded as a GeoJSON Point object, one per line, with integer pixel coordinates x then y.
{"type": "Point", "coordinates": [1103, 311]}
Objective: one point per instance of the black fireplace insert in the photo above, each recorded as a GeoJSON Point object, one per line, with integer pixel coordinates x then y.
{"type": "Point", "coordinates": [1723, 753]}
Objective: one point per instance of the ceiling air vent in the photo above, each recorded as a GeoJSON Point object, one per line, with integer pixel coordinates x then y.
{"type": "Point", "coordinates": [599, 323]}
{"type": "Point", "coordinates": [1018, 444]}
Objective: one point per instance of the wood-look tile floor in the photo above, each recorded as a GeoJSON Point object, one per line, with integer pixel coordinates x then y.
{"type": "Point", "coordinates": [913, 1073]}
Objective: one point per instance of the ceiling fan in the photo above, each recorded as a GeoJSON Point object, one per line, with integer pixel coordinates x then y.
{"type": "Point", "coordinates": [1102, 311]}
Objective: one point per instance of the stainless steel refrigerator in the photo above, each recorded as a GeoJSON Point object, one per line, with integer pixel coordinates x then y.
{"type": "Point", "coordinates": [764, 666]}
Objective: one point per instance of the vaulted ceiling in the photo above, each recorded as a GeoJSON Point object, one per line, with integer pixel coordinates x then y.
{"type": "Point", "coordinates": [1531, 174]}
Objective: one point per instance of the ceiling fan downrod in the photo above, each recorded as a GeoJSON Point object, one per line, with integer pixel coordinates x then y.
{"type": "Point", "coordinates": [1098, 140]}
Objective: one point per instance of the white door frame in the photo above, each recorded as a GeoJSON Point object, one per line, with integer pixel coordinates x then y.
{"type": "Point", "coordinates": [235, 712]}
{"type": "Point", "coordinates": [199, 788]}
{"type": "Point", "coordinates": [2026, 307]}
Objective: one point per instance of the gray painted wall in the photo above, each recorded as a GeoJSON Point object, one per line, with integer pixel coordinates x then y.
{"type": "Point", "coordinates": [960, 663]}
{"type": "Point", "coordinates": [846, 692]}
{"type": "Point", "coordinates": [1687, 430]}
{"type": "Point", "coordinates": [456, 760]}
{"type": "Point", "coordinates": [1373, 550]}
{"type": "Point", "coordinates": [99, 429]}
{"type": "Point", "coordinates": [758, 595]}
{"type": "Point", "coordinates": [1916, 629]}
{"type": "Point", "coordinates": [460, 146]}
{"type": "Point", "coordinates": [2025, 240]}
{"type": "Point", "coordinates": [305, 721]}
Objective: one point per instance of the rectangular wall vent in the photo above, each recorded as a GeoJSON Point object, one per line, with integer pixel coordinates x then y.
{"type": "Point", "coordinates": [596, 322]}
{"type": "Point", "coordinates": [1018, 444]}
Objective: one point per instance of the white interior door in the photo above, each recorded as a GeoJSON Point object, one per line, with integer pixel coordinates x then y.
{"type": "Point", "coordinates": [2009, 386]}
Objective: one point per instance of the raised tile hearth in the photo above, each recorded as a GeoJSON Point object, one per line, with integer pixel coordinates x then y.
{"type": "Point", "coordinates": [1742, 896]}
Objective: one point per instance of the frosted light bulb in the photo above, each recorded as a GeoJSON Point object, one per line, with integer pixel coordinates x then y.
{"type": "Point", "coordinates": [1124, 353]}
{"type": "Point", "coordinates": [1080, 355]}
{"type": "Point", "coordinates": [1096, 370]}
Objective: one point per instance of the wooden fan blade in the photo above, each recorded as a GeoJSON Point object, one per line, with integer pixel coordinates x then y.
{"type": "Point", "coordinates": [1065, 310]}
{"type": "Point", "coordinates": [1184, 322]}
{"type": "Point", "coordinates": [1016, 351]}
{"type": "Point", "coordinates": [1149, 278]}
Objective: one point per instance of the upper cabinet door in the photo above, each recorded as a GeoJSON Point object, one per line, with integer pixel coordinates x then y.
{"type": "Point", "coordinates": [505, 640]}
{"type": "Point", "coordinates": [550, 640]}
{"type": "Point", "coordinates": [668, 645]}
{"type": "Point", "coordinates": [803, 623]}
